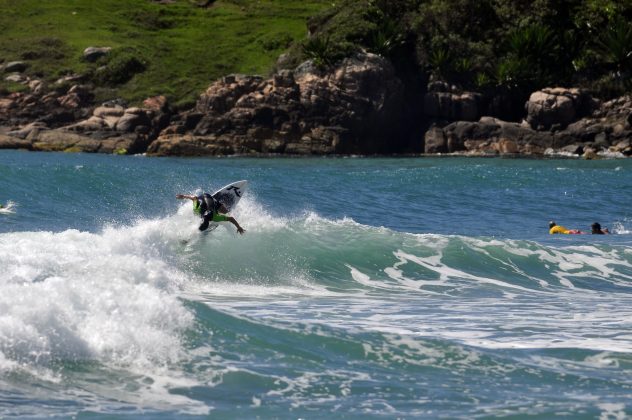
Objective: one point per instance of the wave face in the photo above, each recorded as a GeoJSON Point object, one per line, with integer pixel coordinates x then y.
{"type": "Point", "coordinates": [128, 310]}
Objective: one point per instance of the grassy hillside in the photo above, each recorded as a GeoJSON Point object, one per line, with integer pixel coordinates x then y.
{"type": "Point", "coordinates": [175, 49]}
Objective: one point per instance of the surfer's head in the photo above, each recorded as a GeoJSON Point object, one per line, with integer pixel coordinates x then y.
{"type": "Point", "coordinates": [551, 224]}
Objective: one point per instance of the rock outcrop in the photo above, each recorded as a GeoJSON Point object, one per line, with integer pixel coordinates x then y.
{"type": "Point", "coordinates": [12, 142]}
{"type": "Point", "coordinates": [351, 109]}
{"type": "Point", "coordinates": [556, 108]}
{"type": "Point", "coordinates": [53, 109]}
{"type": "Point", "coordinates": [68, 121]}
{"type": "Point", "coordinates": [65, 141]}
{"type": "Point", "coordinates": [606, 131]}
{"type": "Point", "coordinates": [443, 102]}
{"type": "Point", "coordinates": [92, 54]}
{"type": "Point", "coordinates": [14, 67]}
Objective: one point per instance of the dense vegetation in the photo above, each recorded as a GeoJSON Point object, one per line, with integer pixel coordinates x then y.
{"type": "Point", "coordinates": [484, 45]}
{"type": "Point", "coordinates": [177, 48]}
{"type": "Point", "coordinates": [173, 48]}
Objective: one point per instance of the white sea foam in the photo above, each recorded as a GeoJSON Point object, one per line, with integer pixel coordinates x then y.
{"type": "Point", "coordinates": [254, 217]}
{"type": "Point", "coordinates": [203, 290]}
{"type": "Point", "coordinates": [447, 273]}
{"type": "Point", "coordinates": [611, 155]}
{"type": "Point", "coordinates": [620, 227]}
{"type": "Point", "coordinates": [587, 261]}
{"type": "Point", "coordinates": [591, 262]}
{"type": "Point", "coordinates": [110, 297]}
{"type": "Point", "coordinates": [537, 323]}
{"type": "Point", "coordinates": [80, 295]}
{"type": "Point", "coordinates": [8, 208]}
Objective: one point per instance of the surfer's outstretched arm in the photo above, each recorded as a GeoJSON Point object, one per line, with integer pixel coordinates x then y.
{"type": "Point", "coordinates": [234, 222]}
{"type": "Point", "coordinates": [189, 197]}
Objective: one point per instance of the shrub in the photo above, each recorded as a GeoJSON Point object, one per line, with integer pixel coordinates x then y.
{"type": "Point", "coordinates": [48, 48]}
{"type": "Point", "coordinates": [319, 50]}
{"type": "Point", "coordinates": [512, 73]}
{"type": "Point", "coordinates": [348, 26]}
{"type": "Point", "coordinates": [610, 86]}
{"type": "Point", "coordinates": [615, 45]}
{"type": "Point", "coordinates": [276, 41]}
{"type": "Point", "coordinates": [482, 81]}
{"type": "Point", "coordinates": [120, 66]}
{"type": "Point", "coordinates": [441, 63]}
{"type": "Point", "coordinates": [7, 87]}
{"type": "Point", "coordinates": [467, 29]}
{"type": "Point", "coordinates": [531, 59]}
{"type": "Point", "coordinates": [535, 42]}
{"type": "Point", "coordinates": [153, 20]}
{"type": "Point", "coordinates": [386, 38]}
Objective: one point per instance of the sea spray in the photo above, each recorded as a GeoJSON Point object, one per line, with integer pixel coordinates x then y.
{"type": "Point", "coordinates": [82, 296]}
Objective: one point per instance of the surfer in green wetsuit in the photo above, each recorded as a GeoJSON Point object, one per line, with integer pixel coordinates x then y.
{"type": "Point", "coordinates": [210, 210]}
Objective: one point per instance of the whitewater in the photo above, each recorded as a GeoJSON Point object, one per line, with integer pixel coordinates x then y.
{"type": "Point", "coordinates": [362, 288]}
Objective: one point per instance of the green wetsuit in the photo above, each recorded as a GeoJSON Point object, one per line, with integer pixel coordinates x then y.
{"type": "Point", "coordinates": [200, 207]}
{"type": "Point", "coordinates": [216, 217]}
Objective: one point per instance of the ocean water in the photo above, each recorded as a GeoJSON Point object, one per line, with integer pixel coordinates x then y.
{"type": "Point", "coordinates": [363, 288]}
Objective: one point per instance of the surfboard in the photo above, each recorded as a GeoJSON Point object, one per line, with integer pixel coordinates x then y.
{"type": "Point", "coordinates": [229, 196]}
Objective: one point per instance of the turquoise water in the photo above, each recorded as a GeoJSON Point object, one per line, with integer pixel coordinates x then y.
{"type": "Point", "coordinates": [363, 288]}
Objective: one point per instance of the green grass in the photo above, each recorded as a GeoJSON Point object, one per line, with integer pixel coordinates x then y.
{"type": "Point", "coordinates": [185, 47]}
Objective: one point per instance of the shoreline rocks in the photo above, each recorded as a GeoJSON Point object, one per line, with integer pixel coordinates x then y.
{"type": "Point", "coordinates": [359, 107]}
{"type": "Point", "coordinates": [604, 131]}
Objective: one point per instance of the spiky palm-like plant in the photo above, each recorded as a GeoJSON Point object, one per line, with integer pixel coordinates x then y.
{"type": "Point", "coordinates": [319, 49]}
{"type": "Point", "coordinates": [386, 38]}
{"type": "Point", "coordinates": [533, 42]}
{"type": "Point", "coordinates": [441, 62]}
{"type": "Point", "coordinates": [615, 45]}
{"type": "Point", "coordinates": [532, 54]}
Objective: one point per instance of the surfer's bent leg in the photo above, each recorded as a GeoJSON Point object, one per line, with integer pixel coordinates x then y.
{"type": "Point", "coordinates": [205, 223]}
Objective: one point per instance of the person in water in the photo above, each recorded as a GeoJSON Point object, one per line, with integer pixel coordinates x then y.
{"type": "Point", "coordinates": [555, 228]}
{"type": "Point", "coordinates": [597, 230]}
{"type": "Point", "coordinates": [210, 210]}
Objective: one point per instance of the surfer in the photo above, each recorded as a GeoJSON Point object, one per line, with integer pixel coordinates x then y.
{"type": "Point", "coordinates": [597, 230]}
{"type": "Point", "coordinates": [555, 228]}
{"type": "Point", "coordinates": [210, 210]}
